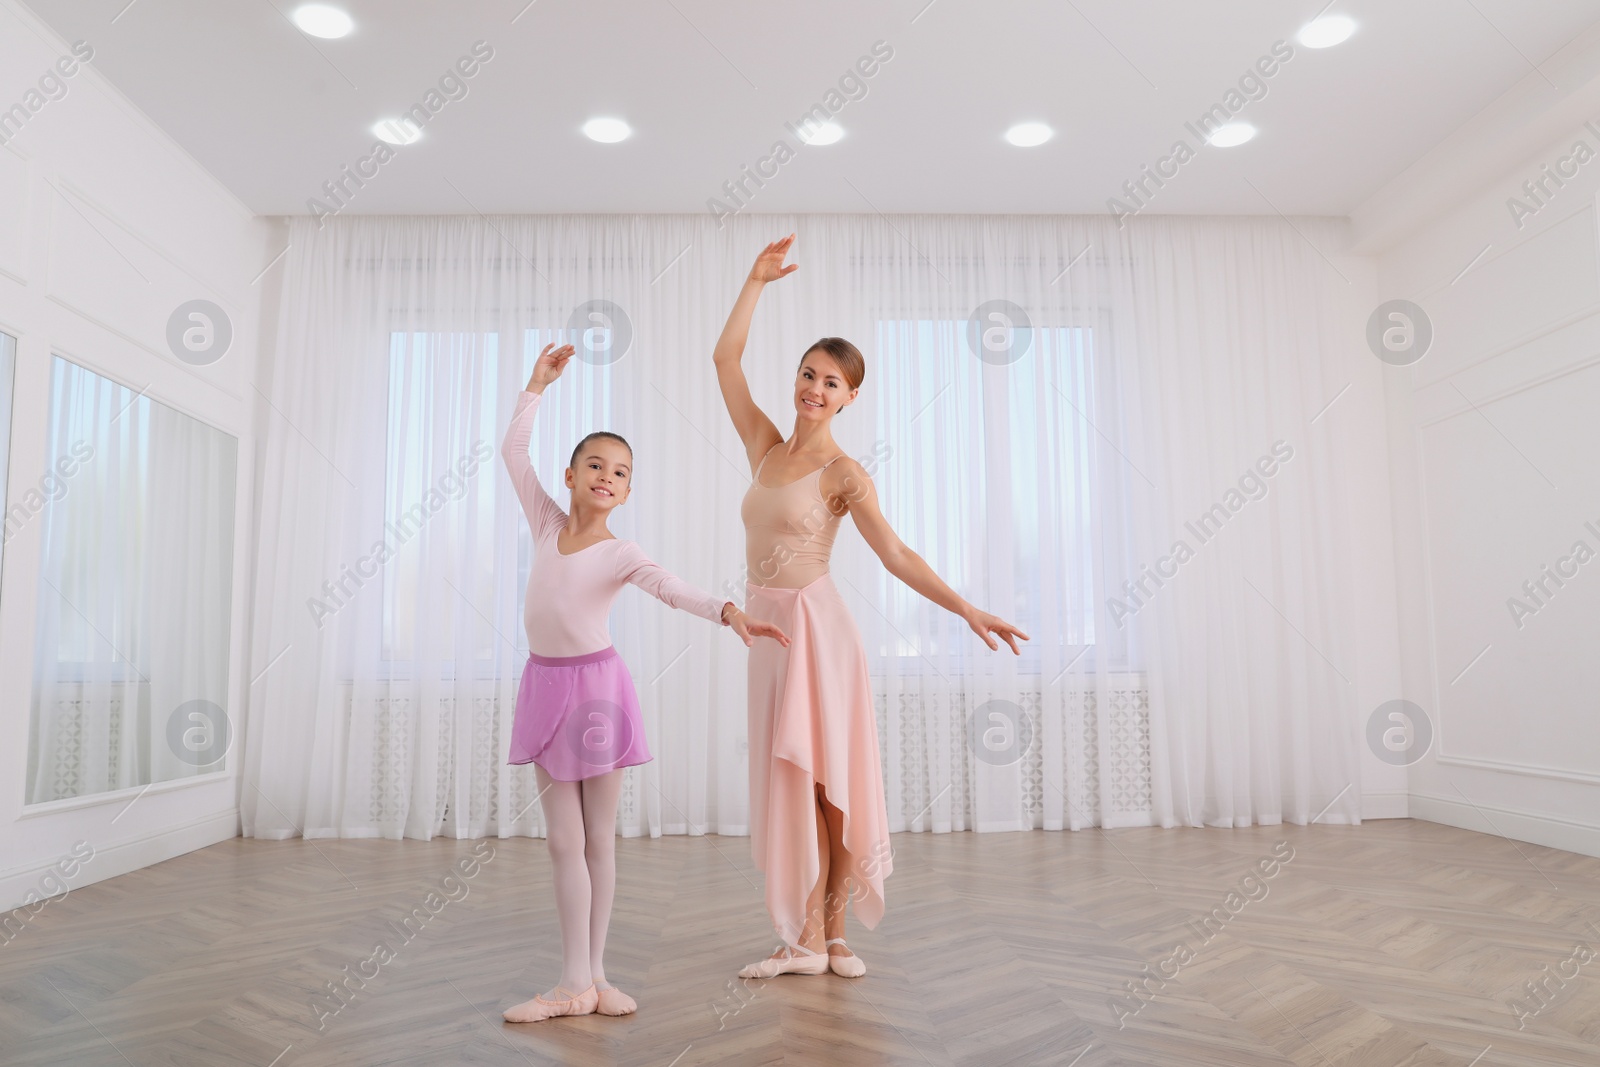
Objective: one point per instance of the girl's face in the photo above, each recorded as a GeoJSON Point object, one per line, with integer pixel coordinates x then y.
{"type": "Point", "coordinates": [820, 390]}
{"type": "Point", "coordinates": [603, 476]}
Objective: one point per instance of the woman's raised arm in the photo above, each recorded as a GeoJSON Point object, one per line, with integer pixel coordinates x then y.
{"type": "Point", "coordinates": [755, 430]}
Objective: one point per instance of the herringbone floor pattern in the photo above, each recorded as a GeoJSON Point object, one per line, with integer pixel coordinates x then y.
{"type": "Point", "coordinates": [1395, 944]}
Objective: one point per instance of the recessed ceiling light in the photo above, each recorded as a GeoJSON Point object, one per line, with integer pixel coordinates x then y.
{"type": "Point", "coordinates": [1029, 134]}
{"type": "Point", "coordinates": [321, 20]}
{"type": "Point", "coordinates": [397, 131]}
{"type": "Point", "coordinates": [824, 133]}
{"type": "Point", "coordinates": [1234, 133]}
{"type": "Point", "coordinates": [1326, 31]}
{"type": "Point", "coordinates": [607, 131]}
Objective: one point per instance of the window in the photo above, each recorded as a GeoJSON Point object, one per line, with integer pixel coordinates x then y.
{"type": "Point", "coordinates": [439, 488]}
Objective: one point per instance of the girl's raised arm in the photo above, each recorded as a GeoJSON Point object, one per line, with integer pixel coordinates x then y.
{"type": "Point", "coordinates": [544, 514]}
{"type": "Point", "coordinates": [756, 430]}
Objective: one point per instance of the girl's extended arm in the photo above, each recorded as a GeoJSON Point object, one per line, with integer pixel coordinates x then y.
{"type": "Point", "coordinates": [674, 592]}
{"type": "Point", "coordinates": [756, 430]}
{"type": "Point", "coordinates": [854, 486]}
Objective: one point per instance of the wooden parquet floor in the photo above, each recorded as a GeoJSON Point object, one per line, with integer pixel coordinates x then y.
{"type": "Point", "coordinates": [1394, 944]}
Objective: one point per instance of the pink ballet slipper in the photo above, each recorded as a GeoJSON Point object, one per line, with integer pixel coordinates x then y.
{"type": "Point", "coordinates": [791, 962]}
{"type": "Point", "coordinates": [614, 1001]}
{"type": "Point", "coordinates": [538, 1009]}
{"type": "Point", "coordinates": [845, 966]}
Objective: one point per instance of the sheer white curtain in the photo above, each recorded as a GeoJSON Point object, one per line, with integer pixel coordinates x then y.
{"type": "Point", "coordinates": [1049, 401]}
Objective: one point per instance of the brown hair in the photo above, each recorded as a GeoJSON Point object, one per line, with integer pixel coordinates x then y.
{"type": "Point", "coordinates": [847, 355]}
{"type": "Point", "coordinates": [598, 434]}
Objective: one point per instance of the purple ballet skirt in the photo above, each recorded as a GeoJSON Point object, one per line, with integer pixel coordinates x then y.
{"type": "Point", "coordinates": [578, 716]}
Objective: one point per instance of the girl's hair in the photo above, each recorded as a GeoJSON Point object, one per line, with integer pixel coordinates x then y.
{"type": "Point", "coordinates": [847, 355]}
{"type": "Point", "coordinates": [598, 434]}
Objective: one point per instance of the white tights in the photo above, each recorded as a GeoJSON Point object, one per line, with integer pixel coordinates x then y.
{"type": "Point", "coordinates": [580, 828]}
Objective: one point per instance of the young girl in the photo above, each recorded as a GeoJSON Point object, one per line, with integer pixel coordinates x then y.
{"type": "Point", "coordinates": [577, 715]}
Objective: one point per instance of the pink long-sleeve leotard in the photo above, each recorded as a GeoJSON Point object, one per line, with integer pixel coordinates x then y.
{"type": "Point", "coordinates": [569, 597]}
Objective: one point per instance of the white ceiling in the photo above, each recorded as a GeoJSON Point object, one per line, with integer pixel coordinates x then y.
{"type": "Point", "coordinates": [708, 86]}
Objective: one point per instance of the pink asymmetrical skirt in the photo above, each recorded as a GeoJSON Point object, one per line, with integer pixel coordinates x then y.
{"type": "Point", "coordinates": [577, 716]}
{"type": "Point", "coordinates": [811, 723]}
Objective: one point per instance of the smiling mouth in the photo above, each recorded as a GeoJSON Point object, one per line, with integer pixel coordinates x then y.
{"type": "Point", "coordinates": [601, 491]}
{"type": "Point", "coordinates": [810, 403]}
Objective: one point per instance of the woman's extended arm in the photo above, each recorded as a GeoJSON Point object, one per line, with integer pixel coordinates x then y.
{"type": "Point", "coordinates": [756, 430]}
{"type": "Point", "coordinates": [848, 481]}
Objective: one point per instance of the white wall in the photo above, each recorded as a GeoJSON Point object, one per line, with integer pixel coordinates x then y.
{"type": "Point", "coordinates": [1494, 438]}
{"type": "Point", "coordinates": [105, 228]}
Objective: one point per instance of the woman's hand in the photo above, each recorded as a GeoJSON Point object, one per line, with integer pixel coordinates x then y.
{"type": "Point", "coordinates": [983, 624]}
{"type": "Point", "coordinates": [548, 367]}
{"type": "Point", "coordinates": [748, 628]}
{"type": "Point", "coordinates": [769, 264]}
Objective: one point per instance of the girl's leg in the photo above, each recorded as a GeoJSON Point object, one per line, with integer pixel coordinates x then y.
{"type": "Point", "coordinates": [562, 803]}
{"type": "Point", "coordinates": [600, 857]}
{"type": "Point", "coordinates": [565, 837]}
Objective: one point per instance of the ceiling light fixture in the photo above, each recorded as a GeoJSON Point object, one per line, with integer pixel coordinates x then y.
{"type": "Point", "coordinates": [607, 131]}
{"type": "Point", "coordinates": [322, 20]}
{"type": "Point", "coordinates": [1029, 134]}
{"type": "Point", "coordinates": [1326, 31]}
{"type": "Point", "coordinates": [397, 131]}
{"type": "Point", "coordinates": [822, 133]}
{"type": "Point", "coordinates": [1234, 133]}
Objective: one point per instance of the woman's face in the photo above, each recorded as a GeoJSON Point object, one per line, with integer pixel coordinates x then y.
{"type": "Point", "coordinates": [820, 389]}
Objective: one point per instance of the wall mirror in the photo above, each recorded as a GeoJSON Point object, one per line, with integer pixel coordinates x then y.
{"type": "Point", "coordinates": [8, 367]}
{"type": "Point", "coordinates": [130, 666]}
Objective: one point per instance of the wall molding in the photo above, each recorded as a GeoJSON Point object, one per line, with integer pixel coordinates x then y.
{"type": "Point", "coordinates": [130, 794]}
{"type": "Point", "coordinates": [1532, 770]}
{"type": "Point", "coordinates": [1523, 386]}
{"type": "Point", "coordinates": [1511, 824]}
{"type": "Point", "coordinates": [125, 857]}
{"type": "Point", "coordinates": [1385, 806]}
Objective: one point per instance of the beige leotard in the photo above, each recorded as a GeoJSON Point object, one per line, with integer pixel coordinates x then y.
{"type": "Point", "coordinates": [789, 529]}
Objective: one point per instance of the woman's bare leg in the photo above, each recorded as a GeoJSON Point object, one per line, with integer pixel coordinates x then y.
{"type": "Point", "coordinates": [841, 880]}
{"type": "Point", "coordinates": [811, 935]}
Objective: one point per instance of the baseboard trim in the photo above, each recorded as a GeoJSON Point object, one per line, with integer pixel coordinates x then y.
{"type": "Point", "coordinates": [1385, 806]}
{"type": "Point", "coordinates": [122, 858]}
{"type": "Point", "coordinates": [1548, 830]}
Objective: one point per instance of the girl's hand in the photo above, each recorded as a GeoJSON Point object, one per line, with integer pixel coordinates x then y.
{"type": "Point", "coordinates": [748, 628]}
{"type": "Point", "coordinates": [548, 367]}
{"type": "Point", "coordinates": [769, 264]}
{"type": "Point", "coordinates": [983, 624]}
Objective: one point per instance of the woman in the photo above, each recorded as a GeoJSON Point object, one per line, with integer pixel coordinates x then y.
{"type": "Point", "coordinates": [818, 824]}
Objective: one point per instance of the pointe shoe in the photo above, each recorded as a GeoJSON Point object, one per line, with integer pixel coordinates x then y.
{"type": "Point", "coordinates": [845, 966]}
{"type": "Point", "coordinates": [538, 1009]}
{"type": "Point", "coordinates": [614, 1001]}
{"type": "Point", "coordinates": [792, 962]}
